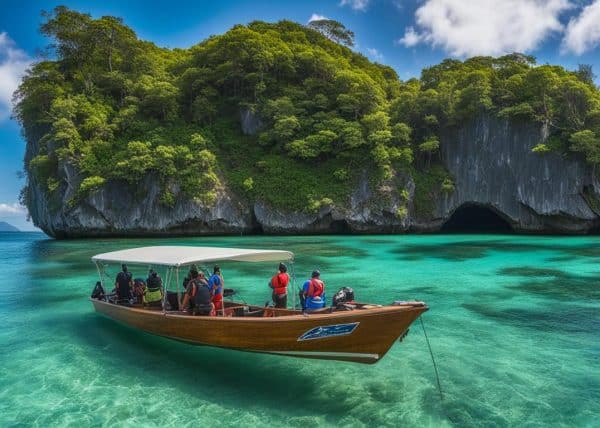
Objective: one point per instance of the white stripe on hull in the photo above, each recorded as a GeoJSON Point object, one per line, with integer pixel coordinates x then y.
{"type": "Point", "coordinates": [327, 354]}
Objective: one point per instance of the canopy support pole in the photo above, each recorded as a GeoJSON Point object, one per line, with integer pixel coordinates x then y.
{"type": "Point", "coordinates": [293, 287]}
{"type": "Point", "coordinates": [100, 275]}
{"type": "Point", "coordinates": [168, 278]}
{"type": "Point", "coordinates": [178, 293]}
{"type": "Point", "coordinates": [222, 293]}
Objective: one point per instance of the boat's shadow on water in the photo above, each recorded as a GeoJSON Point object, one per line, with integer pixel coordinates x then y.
{"type": "Point", "coordinates": [225, 377]}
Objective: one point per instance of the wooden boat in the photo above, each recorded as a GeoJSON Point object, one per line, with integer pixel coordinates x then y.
{"type": "Point", "coordinates": [362, 334]}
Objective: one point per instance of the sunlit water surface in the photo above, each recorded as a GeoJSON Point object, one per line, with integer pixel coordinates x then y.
{"type": "Point", "coordinates": [514, 324]}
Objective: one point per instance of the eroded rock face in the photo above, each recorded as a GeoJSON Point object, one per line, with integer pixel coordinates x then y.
{"type": "Point", "coordinates": [119, 209]}
{"type": "Point", "coordinates": [368, 212]}
{"type": "Point", "coordinates": [493, 166]}
{"type": "Point", "coordinates": [490, 161]}
{"type": "Point", "coordinates": [250, 122]}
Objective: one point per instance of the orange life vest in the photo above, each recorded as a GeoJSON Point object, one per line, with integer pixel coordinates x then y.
{"type": "Point", "coordinates": [279, 282]}
{"type": "Point", "coordinates": [315, 288]}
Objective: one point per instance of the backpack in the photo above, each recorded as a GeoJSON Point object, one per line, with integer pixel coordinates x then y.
{"type": "Point", "coordinates": [344, 295]}
{"type": "Point", "coordinates": [98, 292]}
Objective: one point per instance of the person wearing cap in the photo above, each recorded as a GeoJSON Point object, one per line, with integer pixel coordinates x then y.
{"type": "Point", "coordinates": [124, 285]}
{"type": "Point", "coordinates": [279, 284]}
{"type": "Point", "coordinates": [313, 292]}
{"type": "Point", "coordinates": [215, 285]}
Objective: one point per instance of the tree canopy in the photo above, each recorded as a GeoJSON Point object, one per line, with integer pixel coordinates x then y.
{"type": "Point", "coordinates": [333, 30]}
{"type": "Point", "coordinates": [119, 108]}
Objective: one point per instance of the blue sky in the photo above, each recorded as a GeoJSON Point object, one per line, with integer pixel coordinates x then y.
{"type": "Point", "coordinates": [405, 34]}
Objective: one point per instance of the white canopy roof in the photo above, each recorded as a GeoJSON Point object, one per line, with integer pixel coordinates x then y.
{"type": "Point", "coordinates": [181, 255]}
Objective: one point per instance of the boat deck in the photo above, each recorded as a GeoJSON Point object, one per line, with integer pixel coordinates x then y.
{"type": "Point", "coordinates": [237, 309]}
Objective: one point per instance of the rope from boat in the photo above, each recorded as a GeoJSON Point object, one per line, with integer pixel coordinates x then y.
{"type": "Point", "coordinates": [437, 375]}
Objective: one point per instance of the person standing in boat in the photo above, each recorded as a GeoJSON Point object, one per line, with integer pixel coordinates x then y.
{"type": "Point", "coordinates": [215, 285]}
{"type": "Point", "coordinates": [313, 292]}
{"type": "Point", "coordinates": [279, 284]}
{"type": "Point", "coordinates": [124, 285]}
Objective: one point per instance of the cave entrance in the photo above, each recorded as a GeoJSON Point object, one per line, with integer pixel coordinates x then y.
{"type": "Point", "coordinates": [594, 230]}
{"type": "Point", "coordinates": [472, 218]}
{"type": "Point", "coordinates": [340, 227]}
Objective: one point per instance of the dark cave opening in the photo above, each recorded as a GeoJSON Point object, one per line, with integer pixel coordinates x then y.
{"type": "Point", "coordinates": [471, 218]}
{"type": "Point", "coordinates": [340, 227]}
{"type": "Point", "coordinates": [594, 230]}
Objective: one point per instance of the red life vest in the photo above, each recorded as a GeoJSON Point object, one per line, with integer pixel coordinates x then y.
{"type": "Point", "coordinates": [279, 282]}
{"type": "Point", "coordinates": [315, 288]}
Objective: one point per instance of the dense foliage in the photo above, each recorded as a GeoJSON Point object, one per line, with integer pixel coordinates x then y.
{"type": "Point", "coordinates": [118, 108]}
{"type": "Point", "coordinates": [566, 103]}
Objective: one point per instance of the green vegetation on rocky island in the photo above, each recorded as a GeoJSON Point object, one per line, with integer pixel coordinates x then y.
{"type": "Point", "coordinates": [111, 107]}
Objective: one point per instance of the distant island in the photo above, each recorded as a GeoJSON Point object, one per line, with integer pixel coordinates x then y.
{"type": "Point", "coordinates": [283, 128]}
{"type": "Point", "coordinates": [5, 227]}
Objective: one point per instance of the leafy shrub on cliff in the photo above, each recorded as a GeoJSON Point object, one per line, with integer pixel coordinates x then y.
{"type": "Point", "coordinates": [566, 103]}
{"type": "Point", "coordinates": [118, 108]}
{"type": "Point", "coordinates": [89, 184]}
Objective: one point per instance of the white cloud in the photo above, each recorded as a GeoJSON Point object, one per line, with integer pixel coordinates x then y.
{"type": "Point", "coordinates": [355, 4]}
{"type": "Point", "coordinates": [583, 32]}
{"type": "Point", "coordinates": [316, 17]}
{"type": "Point", "coordinates": [14, 208]}
{"type": "Point", "coordinates": [485, 27]}
{"type": "Point", "coordinates": [375, 54]}
{"type": "Point", "coordinates": [13, 63]}
{"type": "Point", "coordinates": [411, 38]}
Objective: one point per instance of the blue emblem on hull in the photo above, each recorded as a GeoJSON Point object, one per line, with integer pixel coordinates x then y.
{"type": "Point", "coordinates": [324, 331]}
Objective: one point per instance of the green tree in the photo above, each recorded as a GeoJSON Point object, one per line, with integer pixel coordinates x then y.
{"type": "Point", "coordinates": [587, 143]}
{"type": "Point", "coordinates": [333, 30]}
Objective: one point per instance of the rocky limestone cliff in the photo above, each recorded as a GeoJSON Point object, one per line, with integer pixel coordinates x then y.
{"type": "Point", "coordinates": [490, 161]}
{"type": "Point", "coordinates": [493, 166]}
{"type": "Point", "coordinates": [119, 209]}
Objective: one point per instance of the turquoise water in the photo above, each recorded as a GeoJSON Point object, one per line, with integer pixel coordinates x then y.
{"type": "Point", "coordinates": [514, 325]}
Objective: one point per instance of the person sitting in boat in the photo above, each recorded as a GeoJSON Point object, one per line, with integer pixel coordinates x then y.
{"type": "Point", "coordinates": [197, 297]}
{"type": "Point", "coordinates": [139, 286]}
{"type": "Point", "coordinates": [187, 303]}
{"type": "Point", "coordinates": [124, 285]}
{"type": "Point", "coordinates": [215, 285]}
{"type": "Point", "coordinates": [188, 278]}
{"type": "Point", "coordinates": [279, 284]}
{"type": "Point", "coordinates": [203, 304]}
{"type": "Point", "coordinates": [313, 292]}
{"type": "Point", "coordinates": [153, 294]}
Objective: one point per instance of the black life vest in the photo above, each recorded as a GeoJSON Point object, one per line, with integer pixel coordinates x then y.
{"type": "Point", "coordinates": [202, 297]}
{"type": "Point", "coordinates": [123, 280]}
{"type": "Point", "coordinates": [154, 283]}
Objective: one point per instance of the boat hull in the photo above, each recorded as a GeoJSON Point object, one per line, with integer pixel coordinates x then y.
{"type": "Point", "coordinates": [362, 336]}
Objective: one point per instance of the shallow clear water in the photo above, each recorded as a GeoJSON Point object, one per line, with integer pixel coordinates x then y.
{"type": "Point", "coordinates": [514, 324]}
